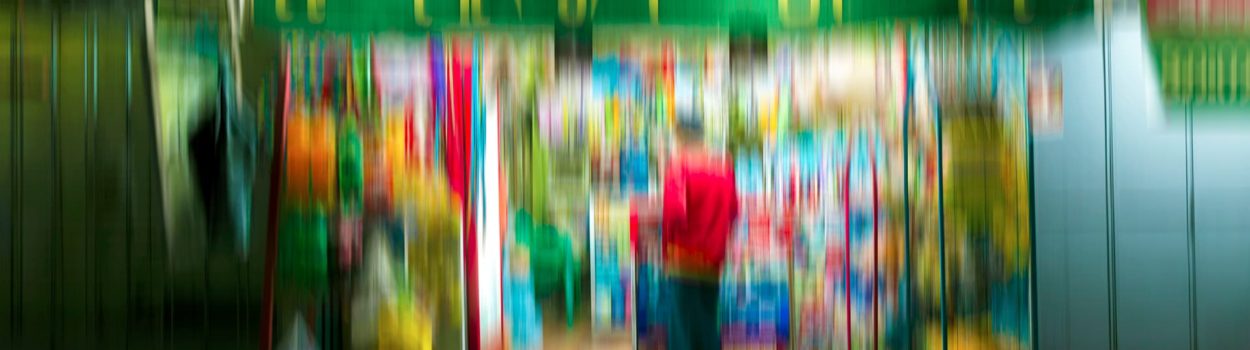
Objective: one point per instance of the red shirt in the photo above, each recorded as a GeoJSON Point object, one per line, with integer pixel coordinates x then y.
{"type": "Point", "coordinates": [700, 207]}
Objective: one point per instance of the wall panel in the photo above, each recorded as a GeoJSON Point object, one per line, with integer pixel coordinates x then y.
{"type": "Point", "coordinates": [83, 260]}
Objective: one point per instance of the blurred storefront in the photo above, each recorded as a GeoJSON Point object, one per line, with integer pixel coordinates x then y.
{"type": "Point", "coordinates": [490, 174]}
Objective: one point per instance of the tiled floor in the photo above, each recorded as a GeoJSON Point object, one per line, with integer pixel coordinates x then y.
{"type": "Point", "coordinates": [558, 336]}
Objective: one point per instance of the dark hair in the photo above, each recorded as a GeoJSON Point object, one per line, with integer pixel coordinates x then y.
{"type": "Point", "coordinates": [689, 127]}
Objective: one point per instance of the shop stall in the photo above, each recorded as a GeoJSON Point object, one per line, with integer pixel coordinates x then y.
{"type": "Point", "coordinates": [488, 174]}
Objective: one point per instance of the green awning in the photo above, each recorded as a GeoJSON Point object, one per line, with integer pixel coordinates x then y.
{"type": "Point", "coordinates": [426, 15]}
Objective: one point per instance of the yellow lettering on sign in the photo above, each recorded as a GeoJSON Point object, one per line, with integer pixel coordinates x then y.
{"type": "Point", "coordinates": [418, 12]}
{"type": "Point", "coordinates": [1022, 14]}
{"type": "Point", "coordinates": [316, 11]}
{"type": "Point", "coordinates": [284, 14]}
{"type": "Point", "coordinates": [783, 6]}
{"type": "Point", "coordinates": [654, 7]}
{"type": "Point", "coordinates": [478, 16]}
{"type": "Point", "coordinates": [472, 10]}
{"type": "Point", "coordinates": [837, 11]}
{"type": "Point", "coordinates": [963, 11]}
{"type": "Point", "coordinates": [579, 14]}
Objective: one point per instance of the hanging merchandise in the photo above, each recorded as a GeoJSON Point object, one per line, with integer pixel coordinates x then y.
{"type": "Point", "coordinates": [567, 182]}
{"type": "Point", "coordinates": [863, 223]}
{"type": "Point", "coordinates": [1045, 84]}
{"type": "Point", "coordinates": [241, 153]}
{"type": "Point", "coordinates": [222, 152]}
{"type": "Point", "coordinates": [818, 248]}
{"type": "Point", "coordinates": [373, 289]}
{"type": "Point", "coordinates": [323, 158]}
{"type": "Point", "coordinates": [829, 184]}
{"type": "Point", "coordinates": [510, 191]}
{"type": "Point", "coordinates": [754, 296]}
{"type": "Point", "coordinates": [523, 327]}
{"type": "Point", "coordinates": [365, 160]}
{"type": "Point", "coordinates": [351, 193]}
{"type": "Point", "coordinates": [971, 130]}
{"type": "Point", "coordinates": [638, 84]}
{"type": "Point", "coordinates": [621, 170]}
{"type": "Point", "coordinates": [402, 325]}
{"type": "Point", "coordinates": [433, 248]}
{"type": "Point", "coordinates": [303, 261]}
{"type": "Point", "coordinates": [543, 244]}
{"type": "Point", "coordinates": [756, 284]}
{"type": "Point", "coordinates": [886, 189]}
{"type": "Point", "coordinates": [924, 184]}
{"type": "Point", "coordinates": [613, 266]}
{"type": "Point", "coordinates": [206, 135]}
{"type": "Point", "coordinates": [298, 337]}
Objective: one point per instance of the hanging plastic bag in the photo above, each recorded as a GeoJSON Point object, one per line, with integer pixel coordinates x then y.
{"type": "Point", "coordinates": [373, 288]}
{"type": "Point", "coordinates": [241, 145]}
{"type": "Point", "coordinates": [298, 337]}
{"type": "Point", "coordinates": [524, 323]}
{"type": "Point", "coordinates": [220, 149]}
{"type": "Point", "coordinates": [302, 259]}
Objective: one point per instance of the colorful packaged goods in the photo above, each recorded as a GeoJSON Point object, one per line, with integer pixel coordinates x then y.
{"type": "Point", "coordinates": [366, 148]}
{"type": "Point", "coordinates": [881, 171]}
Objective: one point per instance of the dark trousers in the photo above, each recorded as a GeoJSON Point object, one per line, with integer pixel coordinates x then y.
{"type": "Point", "coordinates": [694, 324]}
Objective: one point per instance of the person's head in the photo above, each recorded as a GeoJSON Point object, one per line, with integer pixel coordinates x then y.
{"type": "Point", "coordinates": [689, 130]}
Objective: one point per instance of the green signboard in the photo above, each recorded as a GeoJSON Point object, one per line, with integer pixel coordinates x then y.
{"type": "Point", "coordinates": [1202, 50]}
{"type": "Point", "coordinates": [423, 15]}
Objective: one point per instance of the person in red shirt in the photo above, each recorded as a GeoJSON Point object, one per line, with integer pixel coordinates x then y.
{"type": "Point", "coordinates": [699, 209]}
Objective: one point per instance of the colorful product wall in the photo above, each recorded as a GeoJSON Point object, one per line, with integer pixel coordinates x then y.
{"type": "Point", "coordinates": [504, 188]}
{"type": "Point", "coordinates": [866, 219]}
{"type": "Point", "coordinates": [386, 239]}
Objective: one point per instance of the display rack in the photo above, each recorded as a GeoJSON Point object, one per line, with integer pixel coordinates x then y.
{"type": "Point", "coordinates": [895, 244]}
